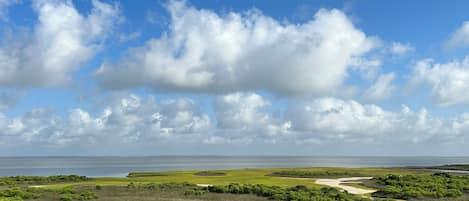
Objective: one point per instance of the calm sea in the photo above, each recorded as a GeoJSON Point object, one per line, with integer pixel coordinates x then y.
{"type": "Point", "coordinates": [120, 166]}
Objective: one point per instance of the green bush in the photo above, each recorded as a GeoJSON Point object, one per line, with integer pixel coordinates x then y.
{"type": "Point", "coordinates": [11, 199]}
{"type": "Point", "coordinates": [297, 193]}
{"type": "Point", "coordinates": [315, 173]}
{"type": "Point", "coordinates": [66, 190]}
{"type": "Point", "coordinates": [438, 185]}
{"type": "Point", "coordinates": [87, 195]}
{"type": "Point", "coordinates": [80, 196]}
{"type": "Point", "coordinates": [155, 186]}
{"type": "Point", "coordinates": [66, 197]}
{"type": "Point", "coordinates": [15, 192]}
{"type": "Point", "coordinates": [146, 174]}
{"type": "Point", "coordinates": [10, 181]}
{"type": "Point", "coordinates": [209, 173]}
{"type": "Point", "coordinates": [195, 191]}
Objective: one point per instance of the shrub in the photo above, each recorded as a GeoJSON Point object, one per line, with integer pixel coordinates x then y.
{"type": "Point", "coordinates": [82, 196]}
{"type": "Point", "coordinates": [40, 180]}
{"type": "Point", "coordinates": [16, 192]}
{"type": "Point", "coordinates": [315, 173]}
{"type": "Point", "coordinates": [210, 173]}
{"type": "Point", "coordinates": [11, 199]}
{"type": "Point", "coordinates": [195, 192]}
{"type": "Point", "coordinates": [438, 185]}
{"type": "Point", "coordinates": [87, 195]}
{"type": "Point", "coordinates": [155, 186]}
{"type": "Point", "coordinates": [66, 197]}
{"type": "Point", "coordinates": [298, 193]}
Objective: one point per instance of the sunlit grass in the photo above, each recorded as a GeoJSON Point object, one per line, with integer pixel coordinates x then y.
{"type": "Point", "coordinates": [241, 176]}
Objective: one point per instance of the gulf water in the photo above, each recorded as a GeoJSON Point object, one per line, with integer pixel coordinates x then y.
{"type": "Point", "coordinates": [120, 166]}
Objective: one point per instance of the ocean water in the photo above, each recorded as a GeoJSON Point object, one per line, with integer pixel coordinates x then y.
{"type": "Point", "coordinates": [121, 166]}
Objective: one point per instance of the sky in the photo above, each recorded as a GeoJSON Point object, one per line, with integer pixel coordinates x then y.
{"type": "Point", "coordinates": [174, 77]}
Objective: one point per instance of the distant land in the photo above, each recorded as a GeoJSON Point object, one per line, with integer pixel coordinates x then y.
{"type": "Point", "coordinates": [283, 184]}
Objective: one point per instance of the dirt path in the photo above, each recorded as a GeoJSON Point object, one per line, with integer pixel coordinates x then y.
{"type": "Point", "coordinates": [339, 183]}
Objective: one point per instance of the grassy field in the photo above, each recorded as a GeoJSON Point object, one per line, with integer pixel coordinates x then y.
{"type": "Point", "coordinates": [69, 188]}
{"type": "Point", "coordinates": [241, 176]}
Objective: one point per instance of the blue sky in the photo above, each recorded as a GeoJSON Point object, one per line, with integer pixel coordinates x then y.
{"type": "Point", "coordinates": [233, 77]}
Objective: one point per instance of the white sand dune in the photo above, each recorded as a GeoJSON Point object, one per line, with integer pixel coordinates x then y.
{"type": "Point", "coordinates": [339, 183]}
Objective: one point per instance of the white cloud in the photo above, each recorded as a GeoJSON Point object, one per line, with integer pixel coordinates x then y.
{"type": "Point", "coordinates": [382, 88]}
{"type": "Point", "coordinates": [400, 49]}
{"type": "Point", "coordinates": [330, 118]}
{"type": "Point", "coordinates": [460, 38]}
{"type": "Point", "coordinates": [127, 119]}
{"type": "Point", "coordinates": [368, 68]}
{"type": "Point", "coordinates": [243, 116]}
{"type": "Point", "coordinates": [448, 81]}
{"type": "Point", "coordinates": [248, 118]}
{"type": "Point", "coordinates": [335, 120]}
{"type": "Point", "coordinates": [60, 42]}
{"type": "Point", "coordinates": [206, 52]}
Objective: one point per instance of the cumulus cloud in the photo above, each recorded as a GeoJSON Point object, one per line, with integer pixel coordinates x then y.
{"type": "Point", "coordinates": [330, 118]}
{"type": "Point", "coordinates": [382, 88]}
{"type": "Point", "coordinates": [243, 116]}
{"type": "Point", "coordinates": [400, 49]}
{"type": "Point", "coordinates": [448, 81]}
{"type": "Point", "coordinates": [248, 118]}
{"type": "Point", "coordinates": [60, 42]}
{"type": "Point", "coordinates": [460, 38]}
{"type": "Point", "coordinates": [207, 52]}
{"type": "Point", "coordinates": [336, 120]}
{"type": "Point", "coordinates": [127, 119]}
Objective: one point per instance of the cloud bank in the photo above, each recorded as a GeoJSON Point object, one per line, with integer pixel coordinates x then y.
{"type": "Point", "coordinates": [207, 52]}
{"type": "Point", "coordinates": [240, 118]}
{"type": "Point", "coordinates": [127, 119]}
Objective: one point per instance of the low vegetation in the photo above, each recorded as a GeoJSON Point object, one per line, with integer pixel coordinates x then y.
{"type": "Point", "coordinates": [27, 193]}
{"type": "Point", "coordinates": [166, 192]}
{"type": "Point", "coordinates": [83, 193]}
{"type": "Point", "coordinates": [336, 172]}
{"type": "Point", "coordinates": [459, 167]}
{"type": "Point", "coordinates": [155, 186]}
{"type": "Point", "coordinates": [282, 184]}
{"type": "Point", "coordinates": [16, 193]}
{"type": "Point", "coordinates": [316, 174]}
{"type": "Point", "coordinates": [241, 176]}
{"type": "Point", "coordinates": [423, 186]}
{"type": "Point", "coordinates": [210, 173]}
{"type": "Point", "coordinates": [146, 174]}
{"type": "Point", "coordinates": [72, 194]}
{"type": "Point", "coordinates": [18, 180]}
{"type": "Point", "coordinates": [297, 193]}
